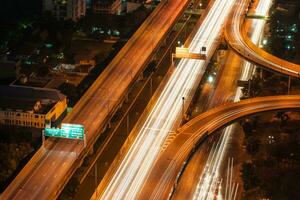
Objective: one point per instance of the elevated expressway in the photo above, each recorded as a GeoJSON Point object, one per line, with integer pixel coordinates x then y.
{"type": "Point", "coordinates": [164, 114]}
{"type": "Point", "coordinates": [51, 167]}
{"type": "Point", "coordinates": [237, 39]}
{"type": "Point", "coordinates": [164, 175]}
{"type": "Point", "coordinates": [160, 182]}
{"type": "Point", "coordinates": [207, 169]}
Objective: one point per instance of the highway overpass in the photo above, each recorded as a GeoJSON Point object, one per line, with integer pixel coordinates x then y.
{"type": "Point", "coordinates": [164, 113]}
{"type": "Point", "coordinates": [51, 167]}
{"type": "Point", "coordinates": [204, 169]}
{"type": "Point", "coordinates": [165, 173]}
{"type": "Point", "coordinates": [237, 38]}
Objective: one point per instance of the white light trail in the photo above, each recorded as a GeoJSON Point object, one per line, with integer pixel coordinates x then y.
{"type": "Point", "coordinates": [210, 177]}
{"type": "Point", "coordinates": [133, 170]}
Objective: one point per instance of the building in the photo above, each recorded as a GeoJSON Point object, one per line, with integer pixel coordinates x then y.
{"type": "Point", "coordinates": [87, 58]}
{"type": "Point", "coordinates": [107, 6]}
{"type": "Point", "coordinates": [65, 9]}
{"type": "Point", "coordinates": [31, 107]}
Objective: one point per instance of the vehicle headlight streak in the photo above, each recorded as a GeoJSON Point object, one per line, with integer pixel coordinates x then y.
{"type": "Point", "coordinates": [210, 178]}
{"type": "Point", "coordinates": [133, 170]}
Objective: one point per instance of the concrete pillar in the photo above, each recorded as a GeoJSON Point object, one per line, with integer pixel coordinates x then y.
{"type": "Point", "coordinates": [151, 87]}
{"type": "Point", "coordinates": [91, 152]}
{"type": "Point", "coordinates": [289, 84]}
{"type": "Point", "coordinates": [127, 124]}
{"type": "Point", "coordinates": [96, 176]}
{"type": "Point", "coordinates": [126, 98]}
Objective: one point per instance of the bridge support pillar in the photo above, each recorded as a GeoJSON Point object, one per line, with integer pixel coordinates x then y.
{"type": "Point", "coordinates": [141, 77]}
{"type": "Point", "coordinates": [91, 152]}
{"type": "Point", "coordinates": [127, 124]}
{"type": "Point", "coordinates": [126, 98]}
{"type": "Point", "coordinates": [96, 177]}
{"type": "Point", "coordinates": [171, 58]}
{"type": "Point", "coordinates": [154, 58]}
{"type": "Point", "coordinates": [249, 87]}
{"type": "Point", "coordinates": [289, 84]}
{"type": "Point", "coordinates": [164, 42]}
{"type": "Point", "coordinates": [261, 74]}
{"type": "Point", "coordinates": [151, 86]}
{"type": "Point", "coordinates": [185, 31]}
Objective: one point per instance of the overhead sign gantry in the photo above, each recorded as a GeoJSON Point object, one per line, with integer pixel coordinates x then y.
{"type": "Point", "coordinates": [68, 131]}
{"type": "Point", "coordinates": [182, 52]}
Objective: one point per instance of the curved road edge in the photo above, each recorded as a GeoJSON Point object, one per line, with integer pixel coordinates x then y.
{"type": "Point", "coordinates": [237, 39]}
{"type": "Point", "coordinates": [164, 175]}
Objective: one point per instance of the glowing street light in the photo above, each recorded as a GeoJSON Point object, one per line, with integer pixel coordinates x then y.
{"type": "Point", "coordinates": [210, 79]}
{"type": "Point", "coordinates": [265, 42]}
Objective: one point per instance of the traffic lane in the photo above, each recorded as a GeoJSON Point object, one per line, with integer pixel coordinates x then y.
{"type": "Point", "coordinates": [211, 25]}
{"type": "Point", "coordinates": [102, 79]}
{"type": "Point", "coordinates": [57, 170]}
{"type": "Point", "coordinates": [239, 41]}
{"type": "Point", "coordinates": [238, 155]}
{"type": "Point", "coordinates": [152, 124]}
{"type": "Point", "coordinates": [110, 69]}
{"type": "Point", "coordinates": [121, 177]}
{"type": "Point", "coordinates": [143, 49]}
{"type": "Point", "coordinates": [162, 177]}
{"type": "Point", "coordinates": [191, 174]}
{"type": "Point", "coordinates": [45, 181]}
{"type": "Point", "coordinates": [40, 178]}
{"type": "Point", "coordinates": [162, 182]}
{"type": "Point", "coordinates": [131, 52]}
{"type": "Point", "coordinates": [49, 161]}
{"type": "Point", "coordinates": [223, 91]}
{"type": "Point", "coordinates": [116, 86]}
{"type": "Point", "coordinates": [227, 85]}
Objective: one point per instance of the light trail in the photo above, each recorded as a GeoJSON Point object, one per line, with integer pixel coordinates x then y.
{"type": "Point", "coordinates": [48, 171]}
{"type": "Point", "coordinates": [245, 47]}
{"type": "Point", "coordinates": [231, 188]}
{"type": "Point", "coordinates": [210, 177]}
{"type": "Point", "coordinates": [162, 119]}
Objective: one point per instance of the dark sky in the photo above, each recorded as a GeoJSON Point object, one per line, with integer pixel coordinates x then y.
{"type": "Point", "coordinates": [14, 10]}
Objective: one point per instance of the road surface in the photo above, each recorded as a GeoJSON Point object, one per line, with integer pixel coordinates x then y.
{"type": "Point", "coordinates": [50, 168]}
{"type": "Point", "coordinates": [162, 177]}
{"type": "Point", "coordinates": [165, 114]}
{"type": "Point", "coordinates": [236, 37]}
{"type": "Point", "coordinates": [215, 168]}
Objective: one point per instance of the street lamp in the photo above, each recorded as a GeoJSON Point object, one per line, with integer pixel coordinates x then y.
{"type": "Point", "coordinates": [183, 108]}
{"type": "Point", "coordinates": [265, 41]}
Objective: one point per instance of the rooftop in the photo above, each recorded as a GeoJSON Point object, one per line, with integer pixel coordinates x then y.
{"type": "Point", "coordinates": [25, 98]}
{"type": "Point", "coordinates": [31, 93]}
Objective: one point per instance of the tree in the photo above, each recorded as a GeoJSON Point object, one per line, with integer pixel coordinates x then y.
{"type": "Point", "coordinates": [252, 145]}
{"type": "Point", "coordinates": [247, 127]}
{"type": "Point", "coordinates": [290, 185]}
{"type": "Point", "coordinates": [249, 176]}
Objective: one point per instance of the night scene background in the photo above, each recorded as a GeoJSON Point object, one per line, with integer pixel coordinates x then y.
{"type": "Point", "coordinates": [150, 99]}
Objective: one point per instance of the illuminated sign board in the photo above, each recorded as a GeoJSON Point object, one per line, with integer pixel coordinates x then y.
{"type": "Point", "coordinates": [70, 131]}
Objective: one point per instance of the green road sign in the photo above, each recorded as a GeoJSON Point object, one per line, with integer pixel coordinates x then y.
{"type": "Point", "coordinates": [53, 132]}
{"type": "Point", "coordinates": [73, 131]}
{"type": "Point", "coordinates": [70, 131]}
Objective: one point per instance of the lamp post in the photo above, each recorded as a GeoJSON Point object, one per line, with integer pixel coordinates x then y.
{"type": "Point", "coordinates": [183, 108]}
{"type": "Point", "coordinates": [289, 84]}
{"type": "Point", "coordinates": [96, 178]}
